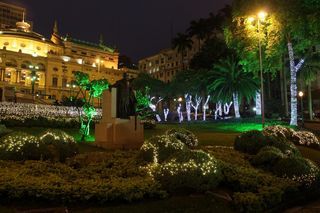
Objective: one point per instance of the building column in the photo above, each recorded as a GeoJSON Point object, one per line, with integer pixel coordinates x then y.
{"type": "Point", "coordinates": [18, 73]}
{"type": "Point", "coordinates": [2, 74]}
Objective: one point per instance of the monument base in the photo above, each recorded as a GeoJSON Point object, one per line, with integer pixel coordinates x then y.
{"type": "Point", "coordinates": [120, 134]}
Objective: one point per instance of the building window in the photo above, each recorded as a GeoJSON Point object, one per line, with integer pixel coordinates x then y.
{"type": "Point", "coordinates": [55, 69]}
{"type": "Point", "coordinates": [64, 82]}
{"type": "Point", "coordinates": [55, 82]}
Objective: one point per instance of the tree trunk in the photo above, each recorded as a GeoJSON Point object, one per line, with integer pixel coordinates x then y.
{"type": "Point", "coordinates": [281, 83]}
{"type": "Point", "coordinates": [293, 87]}
{"type": "Point", "coordinates": [258, 103]}
{"type": "Point", "coordinates": [310, 102]}
{"type": "Point", "coordinates": [286, 103]}
{"type": "Point", "coordinates": [236, 105]}
{"type": "Point", "coordinates": [269, 85]}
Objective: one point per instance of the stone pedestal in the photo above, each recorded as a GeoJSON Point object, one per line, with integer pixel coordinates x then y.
{"type": "Point", "coordinates": [115, 133]}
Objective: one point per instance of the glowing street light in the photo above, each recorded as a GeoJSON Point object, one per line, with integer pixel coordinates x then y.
{"type": "Point", "coordinates": [262, 15]}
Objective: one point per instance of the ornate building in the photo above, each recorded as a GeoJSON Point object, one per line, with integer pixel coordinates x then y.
{"type": "Point", "coordinates": [36, 68]}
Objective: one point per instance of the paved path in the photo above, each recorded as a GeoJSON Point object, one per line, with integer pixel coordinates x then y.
{"type": "Point", "coordinates": [309, 208]}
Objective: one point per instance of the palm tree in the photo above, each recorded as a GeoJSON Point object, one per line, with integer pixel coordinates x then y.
{"type": "Point", "coordinates": [201, 29]}
{"type": "Point", "coordinates": [309, 75]}
{"type": "Point", "coordinates": [227, 81]}
{"type": "Point", "coordinates": [182, 42]}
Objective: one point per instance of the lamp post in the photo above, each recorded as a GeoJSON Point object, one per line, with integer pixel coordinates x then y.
{"type": "Point", "coordinates": [33, 77]}
{"type": "Point", "coordinates": [301, 99]}
{"type": "Point", "coordinates": [261, 16]}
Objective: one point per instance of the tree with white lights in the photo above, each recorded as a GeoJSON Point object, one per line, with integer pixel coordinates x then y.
{"type": "Point", "coordinates": [195, 106]}
{"type": "Point", "coordinates": [205, 107]}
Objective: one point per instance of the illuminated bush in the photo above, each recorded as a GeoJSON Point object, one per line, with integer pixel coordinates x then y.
{"type": "Point", "coordinates": [175, 166]}
{"type": "Point", "coordinates": [159, 148]}
{"type": "Point", "coordinates": [298, 169]}
{"type": "Point", "coordinates": [59, 144]}
{"type": "Point", "coordinates": [21, 146]}
{"type": "Point", "coordinates": [195, 170]}
{"type": "Point", "coordinates": [184, 136]}
{"type": "Point", "coordinates": [278, 131]}
{"type": "Point", "coordinates": [303, 138]}
{"type": "Point", "coordinates": [267, 156]}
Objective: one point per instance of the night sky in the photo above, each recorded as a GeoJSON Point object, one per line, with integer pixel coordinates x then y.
{"type": "Point", "coordinates": [138, 28]}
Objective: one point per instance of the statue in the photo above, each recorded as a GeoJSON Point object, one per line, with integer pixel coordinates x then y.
{"type": "Point", "coordinates": [126, 100]}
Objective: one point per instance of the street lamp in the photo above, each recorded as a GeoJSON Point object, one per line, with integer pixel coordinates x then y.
{"type": "Point", "coordinates": [301, 99]}
{"type": "Point", "coordinates": [33, 77]}
{"type": "Point", "coordinates": [261, 16]}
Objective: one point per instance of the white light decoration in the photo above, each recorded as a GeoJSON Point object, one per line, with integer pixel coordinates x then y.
{"type": "Point", "coordinates": [180, 115]}
{"type": "Point", "coordinates": [293, 85]}
{"type": "Point", "coordinates": [258, 103]}
{"type": "Point", "coordinates": [205, 107]}
{"type": "Point", "coordinates": [226, 108]}
{"type": "Point", "coordinates": [22, 112]}
{"type": "Point", "coordinates": [154, 106]}
{"type": "Point", "coordinates": [236, 105]}
{"type": "Point", "coordinates": [218, 110]}
{"type": "Point", "coordinates": [196, 106]}
{"type": "Point", "coordinates": [188, 99]}
{"type": "Point", "coordinates": [166, 113]}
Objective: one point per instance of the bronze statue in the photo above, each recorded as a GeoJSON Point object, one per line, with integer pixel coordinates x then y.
{"type": "Point", "coordinates": [126, 100]}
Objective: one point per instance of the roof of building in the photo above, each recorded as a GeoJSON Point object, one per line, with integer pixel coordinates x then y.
{"type": "Point", "coordinates": [90, 44]}
{"type": "Point", "coordinates": [28, 34]}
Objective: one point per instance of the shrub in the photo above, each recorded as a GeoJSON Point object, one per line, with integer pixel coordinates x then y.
{"type": "Point", "coordinates": [159, 148]}
{"type": "Point", "coordinates": [251, 142]}
{"type": "Point", "coordinates": [256, 191]}
{"type": "Point", "coordinates": [298, 169]}
{"type": "Point", "coordinates": [4, 130]}
{"type": "Point", "coordinates": [56, 182]}
{"type": "Point", "coordinates": [194, 170]}
{"type": "Point", "coordinates": [305, 138]}
{"type": "Point", "coordinates": [21, 146]}
{"type": "Point", "coordinates": [249, 202]}
{"type": "Point", "coordinates": [60, 144]}
{"type": "Point", "coordinates": [278, 132]}
{"type": "Point", "coordinates": [286, 147]}
{"type": "Point", "coordinates": [149, 124]}
{"type": "Point", "coordinates": [267, 156]}
{"type": "Point", "coordinates": [184, 136]}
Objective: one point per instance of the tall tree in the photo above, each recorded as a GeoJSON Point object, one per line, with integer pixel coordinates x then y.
{"type": "Point", "coordinates": [229, 82]}
{"type": "Point", "coordinates": [308, 75]}
{"type": "Point", "coordinates": [201, 29]}
{"type": "Point", "coordinates": [182, 43]}
{"type": "Point", "coordinates": [294, 25]}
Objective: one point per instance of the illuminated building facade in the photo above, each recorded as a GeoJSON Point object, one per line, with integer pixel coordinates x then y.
{"type": "Point", "coordinates": [35, 68]}
{"type": "Point", "coordinates": [165, 64]}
